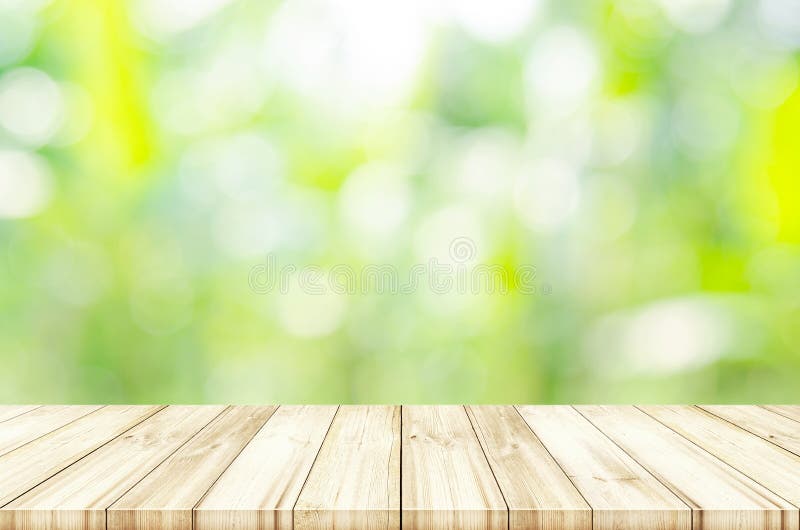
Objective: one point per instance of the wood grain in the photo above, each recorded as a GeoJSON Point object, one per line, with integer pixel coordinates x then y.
{"type": "Point", "coordinates": [449, 467]}
{"type": "Point", "coordinates": [774, 468]}
{"type": "Point", "coordinates": [622, 494]}
{"type": "Point", "coordinates": [164, 499]}
{"type": "Point", "coordinates": [12, 411]}
{"type": "Point", "coordinates": [762, 422]}
{"type": "Point", "coordinates": [24, 428]}
{"type": "Point", "coordinates": [355, 481]}
{"type": "Point", "coordinates": [446, 480]}
{"type": "Point", "coordinates": [721, 498]}
{"type": "Point", "coordinates": [538, 493]}
{"type": "Point", "coordinates": [789, 411]}
{"type": "Point", "coordinates": [35, 462]}
{"type": "Point", "coordinates": [260, 488]}
{"type": "Point", "coordinates": [78, 496]}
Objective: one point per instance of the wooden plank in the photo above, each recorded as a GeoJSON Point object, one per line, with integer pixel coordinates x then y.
{"type": "Point", "coordinates": [35, 462]}
{"type": "Point", "coordinates": [774, 468]}
{"type": "Point", "coordinates": [721, 498]}
{"type": "Point", "coordinates": [622, 494]}
{"type": "Point", "coordinates": [164, 499]}
{"type": "Point", "coordinates": [262, 485]}
{"type": "Point", "coordinates": [355, 481]}
{"type": "Point", "coordinates": [12, 411]}
{"type": "Point", "coordinates": [789, 411]}
{"type": "Point", "coordinates": [446, 480]}
{"type": "Point", "coordinates": [769, 425]}
{"type": "Point", "coordinates": [77, 497]}
{"type": "Point", "coordinates": [36, 423]}
{"type": "Point", "coordinates": [538, 493]}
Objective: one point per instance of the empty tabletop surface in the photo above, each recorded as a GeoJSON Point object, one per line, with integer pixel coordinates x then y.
{"type": "Point", "coordinates": [163, 467]}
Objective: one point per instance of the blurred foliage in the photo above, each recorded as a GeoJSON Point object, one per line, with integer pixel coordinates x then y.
{"type": "Point", "coordinates": [643, 155]}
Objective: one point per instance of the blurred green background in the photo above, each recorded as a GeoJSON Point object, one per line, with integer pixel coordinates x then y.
{"type": "Point", "coordinates": [643, 155]}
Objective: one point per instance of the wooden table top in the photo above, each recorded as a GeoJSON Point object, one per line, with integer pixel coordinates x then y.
{"type": "Point", "coordinates": [373, 467]}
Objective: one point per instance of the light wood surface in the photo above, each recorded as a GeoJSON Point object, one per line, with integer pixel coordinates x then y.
{"type": "Point", "coordinates": [622, 494]}
{"type": "Point", "coordinates": [19, 430]}
{"type": "Point", "coordinates": [355, 481]}
{"type": "Point", "coordinates": [35, 462]}
{"type": "Point", "coordinates": [165, 497]}
{"type": "Point", "coordinates": [12, 411]}
{"type": "Point", "coordinates": [769, 425]}
{"type": "Point", "coordinates": [790, 411]}
{"type": "Point", "coordinates": [446, 479]}
{"type": "Point", "coordinates": [378, 467]}
{"type": "Point", "coordinates": [769, 465]}
{"type": "Point", "coordinates": [80, 494]}
{"type": "Point", "coordinates": [261, 487]}
{"type": "Point", "coordinates": [721, 498]}
{"type": "Point", "coordinates": [538, 492]}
